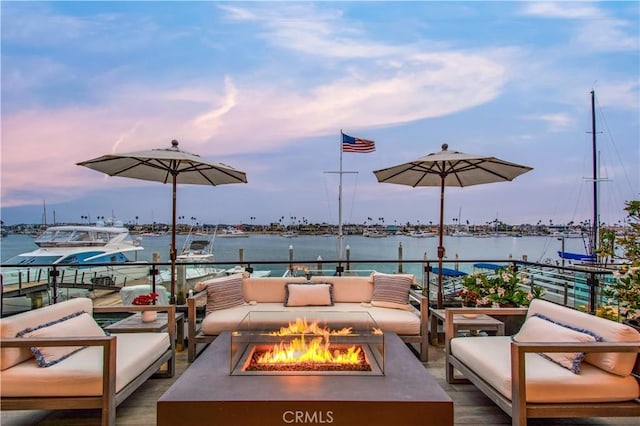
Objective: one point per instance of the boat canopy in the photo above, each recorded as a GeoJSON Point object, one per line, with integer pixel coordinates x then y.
{"type": "Point", "coordinates": [449, 272]}
{"type": "Point", "coordinates": [491, 266]}
{"type": "Point", "coordinates": [576, 256]}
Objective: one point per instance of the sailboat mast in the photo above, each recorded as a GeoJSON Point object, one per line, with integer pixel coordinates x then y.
{"type": "Point", "coordinates": [596, 220]}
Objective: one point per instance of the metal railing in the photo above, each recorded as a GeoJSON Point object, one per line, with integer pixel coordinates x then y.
{"type": "Point", "coordinates": [578, 286]}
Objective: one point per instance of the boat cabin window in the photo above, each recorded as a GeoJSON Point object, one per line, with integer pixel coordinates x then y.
{"type": "Point", "coordinates": [32, 260]}
{"type": "Point", "coordinates": [81, 236]}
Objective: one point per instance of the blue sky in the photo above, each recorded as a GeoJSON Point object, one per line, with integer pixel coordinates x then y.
{"type": "Point", "coordinates": [266, 87]}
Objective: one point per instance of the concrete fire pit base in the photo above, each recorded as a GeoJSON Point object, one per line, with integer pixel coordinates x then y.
{"type": "Point", "coordinates": [207, 394]}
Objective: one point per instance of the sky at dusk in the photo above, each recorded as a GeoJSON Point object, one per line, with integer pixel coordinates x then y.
{"type": "Point", "coordinates": [266, 87]}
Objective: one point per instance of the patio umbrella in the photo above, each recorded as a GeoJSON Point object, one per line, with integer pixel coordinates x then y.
{"type": "Point", "coordinates": [169, 165]}
{"type": "Point", "coordinates": [449, 168]}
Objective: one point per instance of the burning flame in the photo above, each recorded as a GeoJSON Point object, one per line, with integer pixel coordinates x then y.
{"type": "Point", "coordinates": [301, 326]}
{"type": "Point", "coordinates": [318, 350]}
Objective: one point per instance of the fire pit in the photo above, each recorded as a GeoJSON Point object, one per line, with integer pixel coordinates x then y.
{"type": "Point", "coordinates": [320, 343]}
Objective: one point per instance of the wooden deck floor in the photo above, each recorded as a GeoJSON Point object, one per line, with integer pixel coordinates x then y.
{"type": "Point", "coordinates": [471, 407]}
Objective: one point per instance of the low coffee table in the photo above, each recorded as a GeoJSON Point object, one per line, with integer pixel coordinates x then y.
{"type": "Point", "coordinates": [206, 394]}
{"type": "Point", "coordinates": [134, 324]}
{"type": "Point", "coordinates": [479, 322]}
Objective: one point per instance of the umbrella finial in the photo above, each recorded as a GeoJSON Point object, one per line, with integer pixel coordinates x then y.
{"type": "Point", "coordinates": [174, 144]}
{"type": "Point", "coordinates": [444, 146]}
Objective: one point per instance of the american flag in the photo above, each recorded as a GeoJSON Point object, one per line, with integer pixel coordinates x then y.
{"type": "Point", "coordinates": [362, 146]}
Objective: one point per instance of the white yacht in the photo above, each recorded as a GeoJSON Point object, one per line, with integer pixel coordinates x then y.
{"type": "Point", "coordinates": [76, 250]}
{"type": "Point", "coordinates": [198, 255]}
{"type": "Point", "coordinates": [232, 232]}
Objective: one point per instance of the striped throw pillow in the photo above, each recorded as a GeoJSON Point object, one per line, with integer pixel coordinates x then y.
{"type": "Point", "coordinates": [391, 291]}
{"type": "Point", "coordinates": [224, 293]}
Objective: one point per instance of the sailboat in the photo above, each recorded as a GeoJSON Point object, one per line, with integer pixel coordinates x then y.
{"type": "Point", "coordinates": [590, 256]}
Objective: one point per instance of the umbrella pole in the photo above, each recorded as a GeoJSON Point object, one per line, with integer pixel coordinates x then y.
{"type": "Point", "coordinates": [172, 250]}
{"type": "Point", "coordinates": [440, 243]}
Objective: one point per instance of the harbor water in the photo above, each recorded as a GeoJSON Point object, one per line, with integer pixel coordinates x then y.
{"type": "Point", "coordinates": [262, 247]}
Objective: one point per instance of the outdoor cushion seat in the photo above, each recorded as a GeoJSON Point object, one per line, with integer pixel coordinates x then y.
{"type": "Point", "coordinates": [391, 320]}
{"type": "Point", "coordinates": [58, 357]}
{"type": "Point", "coordinates": [81, 373]}
{"type": "Point", "coordinates": [546, 381]}
{"type": "Point", "coordinates": [387, 299]}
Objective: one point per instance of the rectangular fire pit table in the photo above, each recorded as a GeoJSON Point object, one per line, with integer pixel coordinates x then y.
{"type": "Point", "coordinates": [207, 393]}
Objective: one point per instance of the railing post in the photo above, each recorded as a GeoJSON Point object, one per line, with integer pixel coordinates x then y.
{"type": "Point", "coordinates": [155, 257]}
{"type": "Point", "coordinates": [593, 284]}
{"type": "Point", "coordinates": [348, 254]}
{"type": "Point", "coordinates": [53, 273]}
{"type": "Point", "coordinates": [291, 259]}
{"type": "Point", "coordinates": [400, 257]}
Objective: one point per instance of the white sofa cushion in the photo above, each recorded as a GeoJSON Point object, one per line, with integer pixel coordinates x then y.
{"type": "Point", "coordinates": [610, 331]}
{"type": "Point", "coordinates": [81, 373]}
{"type": "Point", "coordinates": [490, 358]}
{"type": "Point", "coordinates": [540, 329]}
{"type": "Point", "coordinates": [320, 294]}
{"type": "Point", "coordinates": [10, 326]}
{"type": "Point", "coordinates": [80, 324]}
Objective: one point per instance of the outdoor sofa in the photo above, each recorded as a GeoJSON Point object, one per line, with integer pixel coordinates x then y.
{"type": "Point", "coordinates": [561, 363]}
{"type": "Point", "coordinates": [73, 363]}
{"type": "Point", "coordinates": [385, 297]}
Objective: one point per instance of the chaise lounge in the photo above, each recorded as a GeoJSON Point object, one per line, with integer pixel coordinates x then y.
{"type": "Point", "coordinates": [57, 357]}
{"type": "Point", "coordinates": [562, 363]}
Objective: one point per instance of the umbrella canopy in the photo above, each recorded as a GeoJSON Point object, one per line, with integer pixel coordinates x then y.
{"type": "Point", "coordinates": [170, 165]}
{"type": "Point", "coordinates": [449, 168]}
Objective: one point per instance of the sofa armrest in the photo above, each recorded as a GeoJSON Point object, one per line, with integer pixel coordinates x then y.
{"type": "Point", "coordinates": [192, 305]}
{"type": "Point", "coordinates": [423, 303]}
{"type": "Point", "coordinates": [108, 343]}
{"type": "Point", "coordinates": [519, 349]}
{"type": "Point", "coordinates": [450, 312]}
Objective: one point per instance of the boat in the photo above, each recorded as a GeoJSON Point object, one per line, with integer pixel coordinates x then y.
{"type": "Point", "coordinates": [590, 256]}
{"type": "Point", "coordinates": [374, 233]}
{"type": "Point", "coordinates": [290, 234]}
{"type": "Point", "coordinates": [195, 257]}
{"type": "Point", "coordinates": [231, 232]}
{"type": "Point", "coordinates": [461, 234]}
{"type": "Point", "coordinates": [422, 234]}
{"type": "Point", "coordinates": [75, 250]}
{"type": "Point", "coordinates": [240, 269]}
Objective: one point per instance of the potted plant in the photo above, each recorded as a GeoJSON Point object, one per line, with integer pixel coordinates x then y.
{"type": "Point", "coordinates": [506, 287]}
{"type": "Point", "coordinates": [503, 288]}
{"type": "Point", "coordinates": [147, 299]}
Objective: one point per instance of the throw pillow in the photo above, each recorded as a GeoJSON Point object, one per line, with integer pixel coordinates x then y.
{"type": "Point", "coordinates": [224, 293]}
{"type": "Point", "coordinates": [391, 290]}
{"type": "Point", "coordinates": [538, 328]}
{"type": "Point", "coordinates": [79, 324]}
{"type": "Point", "coordinates": [320, 294]}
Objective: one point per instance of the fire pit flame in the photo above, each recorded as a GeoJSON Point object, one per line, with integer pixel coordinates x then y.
{"type": "Point", "coordinates": [301, 326]}
{"type": "Point", "coordinates": [318, 350]}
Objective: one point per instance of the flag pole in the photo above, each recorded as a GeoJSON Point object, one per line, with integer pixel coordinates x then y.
{"type": "Point", "coordinates": [340, 234]}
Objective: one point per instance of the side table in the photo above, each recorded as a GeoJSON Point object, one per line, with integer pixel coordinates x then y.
{"type": "Point", "coordinates": [134, 324]}
{"type": "Point", "coordinates": [481, 322]}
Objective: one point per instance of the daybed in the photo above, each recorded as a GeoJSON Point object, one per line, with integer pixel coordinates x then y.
{"type": "Point", "coordinates": [385, 297]}
{"type": "Point", "coordinates": [58, 357]}
{"type": "Point", "coordinates": [561, 363]}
